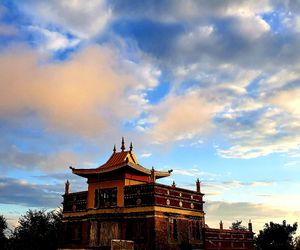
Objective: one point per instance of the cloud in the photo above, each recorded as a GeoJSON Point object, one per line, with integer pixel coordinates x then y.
{"type": "Point", "coordinates": [56, 159]}
{"type": "Point", "coordinates": [237, 184]}
{"type": "Point", "coordinates": [81, 18]}
{"type": "Point", "coordinates": [86, 98]}
{"type": "Point", "coordinates": [267, 124]}
{"type": "Point", "coordinates": [182, 117]}
{"type": "Point", "coordinates": [84, 95]}
{"type": "Point", "coordinates": [259, 214]}
{"type": "Point", "coordinates": [7, 30]}
{"type": "Point", "coordinates": [288, 100]}
{"type": "Point", "coordinates": [145, 155]}
{"type": "Point", "coordinates": [186, 172]}
{"type": "Point", "coordinates": [224, 58]}
{"type": "Point", "coordinates": [234, 189]}
{"type": "Point", "coordinates": [251, 28]}
{"type": "Point", "coordinates": [53, 40]}
{"type": "Point", "coordinates": [189, 10]}
{"type": "Point", "coordinates": [20, 192]}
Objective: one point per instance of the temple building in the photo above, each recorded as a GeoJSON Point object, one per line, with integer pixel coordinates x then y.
{"type": "Point", "coordinates": [124, 203]}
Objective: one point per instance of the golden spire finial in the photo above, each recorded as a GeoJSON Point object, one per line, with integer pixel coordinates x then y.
{"type": "Point", "coordinates": [114, 150]}
{"type": "Point", "coordinates": [131, 147]}
{"type": "Point", "coordinates": [123, 144]}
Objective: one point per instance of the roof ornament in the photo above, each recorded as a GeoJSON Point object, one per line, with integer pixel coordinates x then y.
{"type": "Point", "coordinates": [114, 150]}
{"type": "Point", "coordinates": [198, 186]}
{"type": "Point", "coordinates": [131, 147]}
{"type": "Point", "coordinates": [152, 175]}
{"type": "Point", "coordinates": [250, 226]}
{"type": "Point", "coordinates": [123, 144]}
{"type": "Point", "coordinates": [67, 187]}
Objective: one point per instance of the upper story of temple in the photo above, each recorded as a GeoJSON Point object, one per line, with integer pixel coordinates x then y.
{"type": "Point", "coordinates": [121, 182]}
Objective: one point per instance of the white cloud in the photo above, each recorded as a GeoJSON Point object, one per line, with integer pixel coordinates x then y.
{"type": "Point", "coordinates": [185, 172]}
{"type": "Point", "coordinates": [288, 100]}
{"type": "Point", "coordinates": [145, 155]}
{"type": "Point", "coordinates": [251, 27]}
{"type": "Point", "coordinates": [191, 10]}
{"type": "Point", "coordinates": [262, 126]}
{"type": "Point", "coordinates": [54, 40]}
{"type": "Point", "coordinates": [84, 19]}
{"type": "Point", "coordinates": [292, 164]}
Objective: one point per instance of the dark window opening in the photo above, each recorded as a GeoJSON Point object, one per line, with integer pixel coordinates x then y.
{"type": "Point", "coordinates": [173, 229]}
{"type": "Point", "coordinates": [198, 234]}
{"type": "Point", "coordinates": [75, 232]}
{"type": "Point", "coordinates": [139, 230]}
{"type": "Point", "coordinates": [194, 230]}
{"type": "Point", "coordinates": [106, 197]}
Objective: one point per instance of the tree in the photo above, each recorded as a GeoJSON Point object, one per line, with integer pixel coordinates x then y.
{"type": "Point", "coordinates": [276, 236]}
{"type": "Point", "coordinates": [38, 230]}
{"type": "Point", "coordinates": [238, 226]}
{"type": "Point", "coordinates": [3, 227]}
{"type": "Point", "coordinates": [297, 243]}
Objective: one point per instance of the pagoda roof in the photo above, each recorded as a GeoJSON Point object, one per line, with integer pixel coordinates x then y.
{"type": "Point", "coordinates": [119, 160]}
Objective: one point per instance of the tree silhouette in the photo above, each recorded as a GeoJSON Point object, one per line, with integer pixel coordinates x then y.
{"type": "Point", "coordinates": [3, 227]}
{"type": "Point", "coordinates": [238, 226]}
{"type": "Point", "coordinates": [38, 230]}
{"type": "Point", "coordinates": [297, 243]}
{"type": "Point", "coordinates": [276, 236]}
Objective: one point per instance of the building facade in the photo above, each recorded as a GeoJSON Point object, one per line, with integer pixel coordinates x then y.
{"type": "Point", "coordinates": [124, 202]}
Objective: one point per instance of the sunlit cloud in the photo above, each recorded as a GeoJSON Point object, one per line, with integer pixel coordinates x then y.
{"type": "Point", "coordinates": [82, 96]}
{"type": "Point", "coordinates": [178, 120]}
{"type": "Point", "coordinates": [258, 213]}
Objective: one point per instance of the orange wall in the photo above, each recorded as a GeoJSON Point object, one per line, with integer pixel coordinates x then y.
{"type": "Point", "coordinates": [129, 182]}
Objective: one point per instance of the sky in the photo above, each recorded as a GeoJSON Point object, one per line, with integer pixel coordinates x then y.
{"type": "Point", "coordinates": [210, 89]}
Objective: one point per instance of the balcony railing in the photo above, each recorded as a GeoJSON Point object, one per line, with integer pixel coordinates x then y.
{"type": "Point", "coordinates": [162, 195]}
{"type": "Point", "coordinates": [150, 194]}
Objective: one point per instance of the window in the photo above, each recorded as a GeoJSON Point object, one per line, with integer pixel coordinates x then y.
{"type": "Point", "coordinates": [194, 230]}
{"type": "Point", "coordinates": [173, 229]}
{"type": "Point", "coordinates": [106, 197]}
{"type": "Point", "coordinates": [139, 230]}
{"type": "Point", "coordinates": [75, 229]}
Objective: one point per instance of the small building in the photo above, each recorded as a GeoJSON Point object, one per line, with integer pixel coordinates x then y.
{"type": "Point", "coordinates": [124, 202]}
{"type": "Point", "coordinates": [227, 239]}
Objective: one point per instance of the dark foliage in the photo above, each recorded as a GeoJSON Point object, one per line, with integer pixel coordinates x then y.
{"type": "Point", "coordinates": [3, 227]}
{"type": "Point", "coordinates": [238, 226]}
{"type": "Point", "coordinates": [297, 243]}
{"type": "Point", "coordinates": [276, 236]}
{"type": "Point", "coordinates": [37, 230]}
